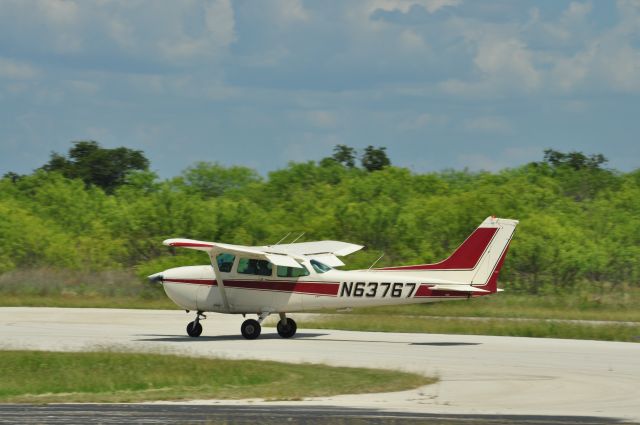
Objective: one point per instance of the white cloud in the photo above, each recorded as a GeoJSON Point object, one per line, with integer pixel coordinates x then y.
{"type": "Point", "coordinates": [479, 161]}
{"type": "Point", "coordinates": [220, 21]}
{"type": "Point", "coordinates": [405, 5]}
{"type": "Point", "coordinates": [322, 118]}
{"type": "Point", "coordinates": [606, 61]}
{"type": "Point", "coordinates": [422, 121]}
{"type": "Point", "coordinates": [218, 35]}
{"type": "Point", "coordinates": [121, 32]}
{"type": "Point", "coordinates": [577, 11]}
{"type": "Point", "coordinates": [16, 70]}
{"type": "Point", "coordinates": [291, 10]}
{"type": "Point", "coordinates": [59, 12]}
{"type": "Point", "coordinates": [507, 59]}
{"type": "Point", "coordinates": [411, 40]}
{"type": "Point", "coordinates": [504, 66]}
{"type": "Point", "coordinates": [488, 124]}
{"type": "Point", "coordinates": [62, 21]}
{"type": "Point", "coordinates": [83, 87]}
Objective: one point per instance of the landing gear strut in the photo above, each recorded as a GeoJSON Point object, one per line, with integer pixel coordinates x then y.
{"type": "Point", "coordinates": [194, 329]}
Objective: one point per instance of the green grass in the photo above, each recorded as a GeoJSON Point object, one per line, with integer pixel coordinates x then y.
{"type": "Point", "coordinates": [72, 288]}
{"type": "Point", "coordinates": [86, 301]}
{"type": "Point", "coordinates": [45, 377]}
{"type": "Point", "coordinates": [615, 305]}
{"type": "Point", "coordinates": [439, 325]}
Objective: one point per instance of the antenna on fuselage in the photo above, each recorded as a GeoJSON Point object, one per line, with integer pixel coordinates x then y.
{"type": "Point", "coordinates": [301, 234]}
{"type": "Point", "coordinates": [283, 238]}
{"type": "Point", "coordinates": [375, 262]}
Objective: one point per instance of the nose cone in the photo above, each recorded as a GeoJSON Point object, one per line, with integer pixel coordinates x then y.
{"type": "Point", "coordinates": [156, 278]}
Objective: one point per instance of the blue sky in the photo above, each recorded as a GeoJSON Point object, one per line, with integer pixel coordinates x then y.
{"type": "Point", "coordinates": [440, 83]}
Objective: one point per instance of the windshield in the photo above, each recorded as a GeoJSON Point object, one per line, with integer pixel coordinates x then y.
{"type": "Point", "coordinates": [319, 267]}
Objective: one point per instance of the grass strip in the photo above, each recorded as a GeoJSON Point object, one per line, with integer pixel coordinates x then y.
{"type": "Point", "coordinates": [614, 306]}
{"type": "Point", "coordinates": [528, 328]}
{"type": "Point", "coordinates": [87, 301]}
{"type": "Point", "coordinates": [47, 377]}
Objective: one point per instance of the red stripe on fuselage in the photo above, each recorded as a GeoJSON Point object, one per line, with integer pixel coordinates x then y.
{"type": "Point", "coordinates": [311, 288]}
{"type": "Point", "coordinates": [464, 258]}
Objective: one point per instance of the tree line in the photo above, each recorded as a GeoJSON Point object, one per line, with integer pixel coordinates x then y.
{"type": "Point", "coordinates": [101, 209]}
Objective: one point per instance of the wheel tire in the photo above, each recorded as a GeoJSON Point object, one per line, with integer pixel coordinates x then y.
{"type": "Point", "coordinates": [288, 330]}
{"type": "Point", "coordinates": [250, 329]}
{"type": "Point", "coordinates": [194, 329]}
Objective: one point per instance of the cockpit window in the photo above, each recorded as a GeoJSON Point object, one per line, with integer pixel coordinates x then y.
{"type": "Point", "coordinates": [257, 267]}
{"type": "Point", "coordinates": [292, 271]}
{"type": "Point", "coordinates": [225, 261]}
{"type": "Point", "coordinates": [319, 267]}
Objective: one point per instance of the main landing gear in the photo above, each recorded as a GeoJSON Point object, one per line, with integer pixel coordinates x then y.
{"type": "Point", "coordinates": [251, 328]}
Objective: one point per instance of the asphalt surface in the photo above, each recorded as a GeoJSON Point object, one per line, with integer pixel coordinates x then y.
{"type": "Point", "coordinates": [523, 380]}
{"type": "Point", "coordinates": [154, 414]}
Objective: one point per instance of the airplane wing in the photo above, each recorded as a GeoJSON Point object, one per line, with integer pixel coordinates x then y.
{"type": "Point", "coordinates": [326, 252]}
{"type": "Point", "coordinates": [288, 255]}
{"type": "Point", "coordinates": [277, 258]}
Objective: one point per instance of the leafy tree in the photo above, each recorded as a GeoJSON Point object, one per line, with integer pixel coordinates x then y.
{"type": "Point", "coordinates": [579, 221]}
{"type": "Point", "coordinates": [105, 168]}
{"type": "Point", "coordinates": [14, 177]}
{"type": "Point", "coordinates": [344, 155]}
{"type": "Point", "coordinates": [212, 180]}
{"type": "Point", "coordinates": [375, 159]}
{"type": "Point", "coordinates": [580, 176]}
{"type": "Point", "coordinates": [575, 160]}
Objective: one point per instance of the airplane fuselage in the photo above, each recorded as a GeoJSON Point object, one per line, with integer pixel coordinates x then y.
{"type": "Point", "coordinates": [195, 288]}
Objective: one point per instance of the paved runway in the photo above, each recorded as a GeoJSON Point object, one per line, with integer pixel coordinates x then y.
{"type": "Point", "coordinates": [68, 414]}
{"type": "Point", "coordinates": [480, 375]}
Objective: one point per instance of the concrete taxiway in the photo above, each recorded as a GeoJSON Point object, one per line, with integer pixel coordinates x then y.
{"type": "Point", "coordinates": [479, 375]}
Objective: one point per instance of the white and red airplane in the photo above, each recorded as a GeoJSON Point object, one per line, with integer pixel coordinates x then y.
{"type": "Point", "coordinates": [296, 277]}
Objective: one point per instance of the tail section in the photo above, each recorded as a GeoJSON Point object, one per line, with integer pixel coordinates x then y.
{"type": "Point", "coordinates": [477, 261]}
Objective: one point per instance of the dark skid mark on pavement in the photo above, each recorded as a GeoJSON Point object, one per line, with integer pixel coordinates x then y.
{"type": "Point", "coordinates": [202, 338]}
{"type": "Point", "coordinates": [214, 414]}
{"type": "Point", "coordinates": [445, 344]}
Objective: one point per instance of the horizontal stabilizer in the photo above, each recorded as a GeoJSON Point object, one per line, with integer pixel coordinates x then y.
{"type": "Point", "coordinates": [457, 288]}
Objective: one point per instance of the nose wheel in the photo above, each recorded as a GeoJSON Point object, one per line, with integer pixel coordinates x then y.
{"type": "Point", "coordinates": [194, 329]}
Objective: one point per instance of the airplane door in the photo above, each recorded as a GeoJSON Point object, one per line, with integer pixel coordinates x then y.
{"type": "Point", "coordinates": [208, 295]}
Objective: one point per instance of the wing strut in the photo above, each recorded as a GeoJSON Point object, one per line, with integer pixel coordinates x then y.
{"type": "Point", "coordinates": [216, 271]}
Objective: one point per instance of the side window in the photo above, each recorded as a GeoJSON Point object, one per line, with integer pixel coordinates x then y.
{"type": "Point", "coordinates": [225, 261]}
{"type": "Point", "coordinates": [257, 267]}
{"type": "Point", "coordinates": [319, 267]}
{"type": "Point", "coordinates": [292, 271]}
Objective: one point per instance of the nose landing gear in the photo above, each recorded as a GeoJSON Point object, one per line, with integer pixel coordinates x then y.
{"type": "Point", "coordinates": [194, 329]}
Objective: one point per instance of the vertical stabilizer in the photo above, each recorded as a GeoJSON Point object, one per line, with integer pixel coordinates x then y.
{"type": "Point", "coordinates": [477, 261]}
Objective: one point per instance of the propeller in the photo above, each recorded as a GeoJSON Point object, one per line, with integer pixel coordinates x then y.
{"type": "Point", "coordinates": [156, 278]}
